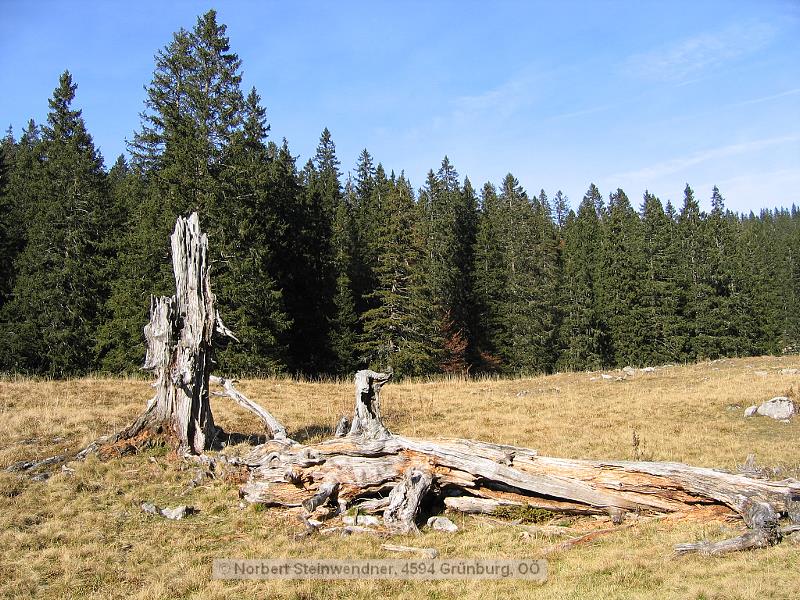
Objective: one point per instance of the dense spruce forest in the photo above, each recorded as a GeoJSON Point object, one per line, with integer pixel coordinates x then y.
{"type": "Point", "coordinates": [318, 274]}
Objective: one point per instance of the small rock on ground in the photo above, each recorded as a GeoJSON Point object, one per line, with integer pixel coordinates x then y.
{"type": "Point", "coordinates": [176, 513]}
{"type": "Point", "coordinates": [366, 520]}
{"type": "Point", "coordinates": [442, 524]}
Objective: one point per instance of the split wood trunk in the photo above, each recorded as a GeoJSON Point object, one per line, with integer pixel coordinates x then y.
{"type": "Point", "coordinates": [398, 475]}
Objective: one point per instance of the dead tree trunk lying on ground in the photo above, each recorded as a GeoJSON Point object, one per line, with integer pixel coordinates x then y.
{"type": "Point", "coordinates": [376, 471]}
{"type": "Point", "coordinates": [397, 474]}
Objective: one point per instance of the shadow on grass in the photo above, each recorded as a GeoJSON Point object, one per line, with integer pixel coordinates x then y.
{"type": "Point", "coordinates": [314, 432]}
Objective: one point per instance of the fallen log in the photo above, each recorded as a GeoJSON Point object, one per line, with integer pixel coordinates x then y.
{"type": "Point", "coordinates": [397, 475]}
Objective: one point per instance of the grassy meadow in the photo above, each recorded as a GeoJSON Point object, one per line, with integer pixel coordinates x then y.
{"type": "Point", "coordinates": [81, 534]}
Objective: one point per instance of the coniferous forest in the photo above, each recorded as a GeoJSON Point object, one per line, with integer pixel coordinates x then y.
{"type": "Point", "coordinates": [319, 275]}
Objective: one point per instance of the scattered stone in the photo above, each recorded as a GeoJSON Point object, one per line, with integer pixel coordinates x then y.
{"type": "Point", "coordinates": [789, 371]}
{"type": "Point", "coordinates": [629, 371]}
{"type": "Point", "coordinates": [367, 520]}
{"type": "Point", "coordinates": [606, 376]}
{"type": "Point", "coordinates": [179, 512]}
{"type": "Point", "coordinates": [522, 393]}
{"type": "Point", "coordinates": [442, 524]}
{"type": "Point", "coordinates": [780, 408]}
{"type": "Point", "coordinates": [648, 370]}
{"type": "Point", "coordinates": [762, 373]}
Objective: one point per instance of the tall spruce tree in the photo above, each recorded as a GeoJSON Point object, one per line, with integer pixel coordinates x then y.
{"type": "Point", "coordinates": [52, 317]}
{"type": "Point", "coordinates": [662, 341]}
{"type": "Point", "coordinates": [491, 280]}
{"type": "Point", "coordinates": [400, 330]}
{"type": "Point", "coordinates": [200, 147]}
{"type": "Point", "coordinates": [693, 290]}
{"type": "Point", "coordinates": [9, 240]}
{"type": "Point", "coordinates": [448, 223]}
{"type": "Point", "coordinates": [621, 284]}
{"type": "Point", "coordinates": [343, 331]}
{"type": "Point", "coordinates": [529, 258]}
{"type": "Point", "coordinates": [717, 326]}
{"type": "Point", "coordinates": [366, 216]}
{"type": "Point", "coordinates": [250, 300]}
{"type": "Point", "coordinates": [584, 335]}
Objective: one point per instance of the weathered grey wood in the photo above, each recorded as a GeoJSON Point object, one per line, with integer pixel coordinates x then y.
{"type": "Point", "coordinates": [342, 427]}
{"type": "Point", "coordinates": [406, 499]}
{"type": "Point", "coordinates": [753, 539]}
{"type": "Point", "coordinates": [180, 340]}
{"type": "Point", "coordinates": [275, 428]}
{"type": "Point", "coordinates": [367, 419]}
{"type": "Point", "coordinates": [326, 490]}
{"type": "Point", "coordinates": [473, 505]}
{"type": "Point", "coordinates": [480, 477]}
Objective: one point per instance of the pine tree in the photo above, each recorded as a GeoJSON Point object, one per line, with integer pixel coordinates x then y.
{"type": "Point", "coordinates": [58, 290]}
{"type": "Point", "coordinates": [529, 258]}
{"type": "Point", "coordinates": [9, 239]}
{"type": "Point", "coordinates": [365, 223]}
{"type": "Point", "coordinates": [693, 290]}
{"type": "Point", "coordinates": [448, 223]}
{"type": "Point", "coordinates": [584, 335]}
{"type": "Point", "coordinates": [343, 332]}
{"type": "Point", "coordinates": [399, 332]}
{"type": "Point", "coordinates": [662, 341]}
{"type": "Point", "coordinates": [201, 147]}
{"type": "Point", "coordinates": [620, 286]}
{"type": "Point", "coordinates": [491, 280]}
{"type": "Point", "coordinates": [561, 209]}
{"type": "Point", "coordinates": [251, 303]}
{"type": "Point", "coordinates": [717, 328]}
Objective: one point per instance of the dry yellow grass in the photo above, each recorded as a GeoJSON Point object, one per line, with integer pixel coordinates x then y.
{"type": "Point", "coordinates": [82, 535]}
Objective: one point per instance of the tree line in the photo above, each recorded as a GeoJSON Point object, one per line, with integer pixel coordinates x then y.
{"type": "Point", "coordinates": [320, 275]}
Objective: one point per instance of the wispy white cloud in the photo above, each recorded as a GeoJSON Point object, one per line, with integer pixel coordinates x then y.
{"type": "Point", "coordinates": [687, 58]}
{"type": "Point", "coordinates": [792, 92]}
{"type": "Point", "coordinates": [676, 165]}
{"type": "Point", "coordinates": [499, 102]}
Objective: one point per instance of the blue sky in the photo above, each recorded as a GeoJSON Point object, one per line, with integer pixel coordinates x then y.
{"type": "Point", "coordinates": [637, 95]}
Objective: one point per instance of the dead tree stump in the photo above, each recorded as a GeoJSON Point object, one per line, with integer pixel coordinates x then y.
{"type": "Point", "coordinates": [367, 420]}
{"type": "Point", "coordinates": [181, 336]}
